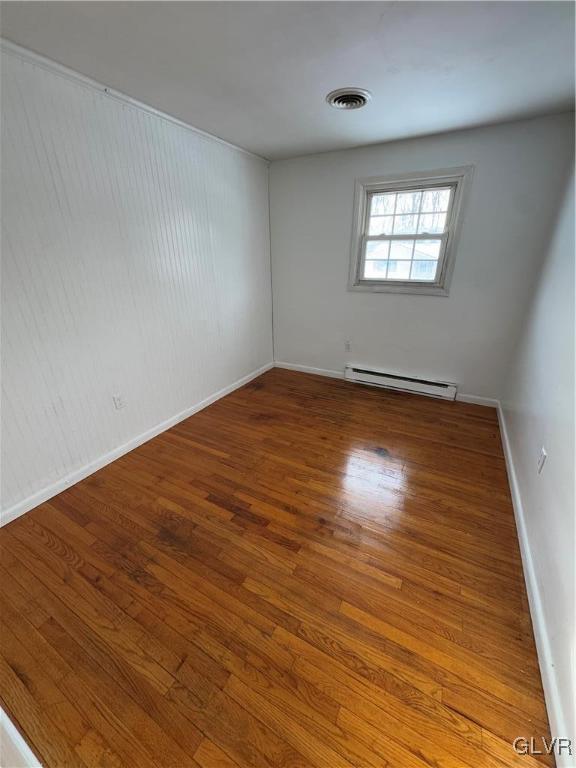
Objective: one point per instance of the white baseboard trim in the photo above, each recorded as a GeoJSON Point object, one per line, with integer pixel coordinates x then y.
{"type": "Point", "coordinates": [489, 402]}
{"type": "Point", "coordinates": [14, 752]}
{"type": "Point", "coordinates": [309, 369]}
{"type": "Point", "coordinates": [21, 507]}
{"type": "Point", "coordinates": [476, 399]}
{"type": "Point", "coordinates": [558, 721]}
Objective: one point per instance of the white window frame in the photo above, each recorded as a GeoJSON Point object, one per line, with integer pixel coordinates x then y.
{"type": "Point", "coordinates": [456, 178]}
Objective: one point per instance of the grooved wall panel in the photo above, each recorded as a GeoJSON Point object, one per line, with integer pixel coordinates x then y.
{"type": "Point", "coordinates": [135, 263]}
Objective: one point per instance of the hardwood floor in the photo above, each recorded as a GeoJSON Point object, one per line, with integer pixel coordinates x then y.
{"type": "Point", "coordinates": [306, 573]}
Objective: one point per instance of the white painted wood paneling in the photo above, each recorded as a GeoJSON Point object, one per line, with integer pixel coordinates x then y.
{"type": "Point", "coordinates": [135, 263]}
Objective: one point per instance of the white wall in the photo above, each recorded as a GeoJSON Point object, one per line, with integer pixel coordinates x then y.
{"type": "Point", "coordinates": [467, 337]}
{"type": "Point", "coordinates": [538, 411]}
{"type": "Point", "coordinates": [135, 261]}
{"type": "Point", "coordinates": [14, 752]}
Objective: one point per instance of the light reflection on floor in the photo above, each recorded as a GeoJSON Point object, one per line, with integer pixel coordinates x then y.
{"type": "Point", "coordinates": [374, 485]}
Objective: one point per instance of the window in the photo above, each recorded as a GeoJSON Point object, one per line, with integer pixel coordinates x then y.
{"type": "Point", "coordinates": [405, 232]}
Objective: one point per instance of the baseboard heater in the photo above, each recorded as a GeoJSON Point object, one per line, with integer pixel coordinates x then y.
{"type": "Point", "coordinates": [375, 378]}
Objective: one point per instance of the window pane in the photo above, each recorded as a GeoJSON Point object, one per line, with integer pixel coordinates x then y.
{"type": "Point", "coordinates": [405, 225]}
{"type": "Point", "coordinates": [380, 225]}
{"type": "Point", "coordinates": [423, 270]}
{"type": "Point", "coordinates": [432, 222]}
{"type": "Point", "coordinates": [382, 205]}
{"type": "Point", "coordinates": [401, 249]}
{"type": "Point", "coordinates": [377, 249]}
{"type": "Point", "coordinates": [408, 202]}
{"type": "Point", "coordinates": [398, 216]}
{"type": "Point", "coordinates": [398, 270]}
{"type": "Point", "coordinates": [375, 270]}
{"type": "Point", "coordinates": [435, 200]}
{"type": "Point", "coordinates": [427, 249]}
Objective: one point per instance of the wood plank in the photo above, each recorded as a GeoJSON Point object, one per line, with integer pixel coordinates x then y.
{"type": "Point", "coordinates": [306, 573]}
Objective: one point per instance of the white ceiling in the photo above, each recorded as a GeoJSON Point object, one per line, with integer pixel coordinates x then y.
{"type": "Point", "coordinates": [256, 74]}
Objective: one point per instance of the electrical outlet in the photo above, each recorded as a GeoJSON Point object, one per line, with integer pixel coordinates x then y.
{"type": "Point", "coordinates": [347, 346]}
{"type": "Point", "coordinates": [119, 402]}
{"type": "Point", "coordinates": [542, 459]}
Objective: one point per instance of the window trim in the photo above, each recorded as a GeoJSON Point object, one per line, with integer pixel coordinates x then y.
{"type": "Point", "coordinates": [457, 178]}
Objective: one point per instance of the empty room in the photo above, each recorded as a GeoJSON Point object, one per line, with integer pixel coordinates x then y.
{"type": "Point", "coordinates": [288, 385]}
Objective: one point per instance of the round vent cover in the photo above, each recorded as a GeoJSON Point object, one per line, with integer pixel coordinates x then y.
{"type": "Point", "coordinates": [348, 98]}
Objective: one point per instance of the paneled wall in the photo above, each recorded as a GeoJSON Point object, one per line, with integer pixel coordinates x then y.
{"type": "Point", "coordinates": [135, 264]}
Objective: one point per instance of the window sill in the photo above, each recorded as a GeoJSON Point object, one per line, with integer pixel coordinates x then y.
{"type": "Point", "coordinates": [422, 290]}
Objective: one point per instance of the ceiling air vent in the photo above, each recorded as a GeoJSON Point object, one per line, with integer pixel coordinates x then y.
{"type": "Point", "coordinates": [348, 98]}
